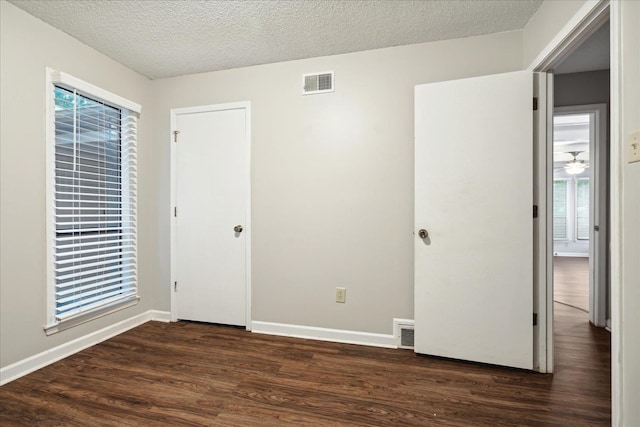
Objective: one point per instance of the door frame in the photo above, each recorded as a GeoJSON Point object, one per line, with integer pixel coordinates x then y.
{"type": "Point", "coordinates": [580, 27]}
{"type": "Point", "coordinates": [174, 112]}
{"type": "Point", "coordinates": [598, 156]}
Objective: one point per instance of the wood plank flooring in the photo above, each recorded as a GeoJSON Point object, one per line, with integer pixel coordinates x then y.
{"type": "Point", "coordinates": [571, 281]}
{"type": "Point", "coordinates": [197, 374]}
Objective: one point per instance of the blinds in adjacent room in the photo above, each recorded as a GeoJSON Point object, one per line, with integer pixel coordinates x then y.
{"type": "Point", "coordinates": [582, 209]}
{"type": "Point", "coordinates": [95, 203]}
{"type": "Point", "coordinates": [560, 217]}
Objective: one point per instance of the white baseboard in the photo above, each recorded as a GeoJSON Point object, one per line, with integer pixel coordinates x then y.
{"type": "Point", "coordinates": [40, 360]}
{"type": "Point", "coordinates": [324, 334]}
{"type": "Point", "coordinates": [160, 316]}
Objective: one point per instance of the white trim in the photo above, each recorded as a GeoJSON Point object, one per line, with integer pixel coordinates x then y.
{"type": "Point", "coordinates": [49, 194]}
{"type": "Point", "coordinates": [160, 316]}
{"type": "Point", "coordinates": [47, 357]}
{"type": "Point", "coordinates": [246, 106]}
{"type": "Point", "coordinates": [546, 287]}
{"type": "Point", "coordinates": [543, 87]}
{"type": "Point", "coordinates": [94, 91]}
{"type": "Point", "coordinates": [62, 325]}
{"type": "Point", "coordinates": [325, 334]}
{"type": "Point", "coordinates": [616, 226]}
{"type": "Point", "coordinates": [582, 25]}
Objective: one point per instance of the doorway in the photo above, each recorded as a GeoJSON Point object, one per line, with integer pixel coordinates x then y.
{"type": "Point", "coordinates": [211, 214]}
{"type": "Point", "coordinates": [579, 173]}
{"type": "Point", "coordinates": [580, 194]}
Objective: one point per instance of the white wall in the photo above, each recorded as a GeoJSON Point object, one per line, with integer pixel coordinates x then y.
{"type": "Point", "coordinates": [27, 46]}
{"type": "Point", "coordinates": [629, 295]}
{"type": "Point", "coordinates": [332, 175]}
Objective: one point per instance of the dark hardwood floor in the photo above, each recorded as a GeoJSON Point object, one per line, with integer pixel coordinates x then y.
{"type": "Point", "coordinates": [571, 281]}
{"type": "Point", "coordinates": [197, 374]}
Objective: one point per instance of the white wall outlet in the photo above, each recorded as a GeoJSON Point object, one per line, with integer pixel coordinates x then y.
{"type": "Point", "coordinates": [634, 147]}
{"type": "Point", "coordinates": [341, 295]}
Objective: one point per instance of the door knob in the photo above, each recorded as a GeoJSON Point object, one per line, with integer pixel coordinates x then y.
{"type": "Point", "coordinates": [423, 233]}
{"type": "Point", "coordinates": [237, 229]}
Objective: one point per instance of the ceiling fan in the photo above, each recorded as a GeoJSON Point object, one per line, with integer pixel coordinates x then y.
{"type": "Point", "coordinates": [575, 166]}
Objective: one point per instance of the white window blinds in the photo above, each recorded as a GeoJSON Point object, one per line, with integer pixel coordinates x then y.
{"type": "Point", "coordinates": [582, 209]}
{"type": "Point", "coordinates": [560, 214]}
{"type": "Point", "coordinates": [94, 203]}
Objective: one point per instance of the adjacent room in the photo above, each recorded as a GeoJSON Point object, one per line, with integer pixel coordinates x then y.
{"type": "Point", "coordinates": [319, 212]}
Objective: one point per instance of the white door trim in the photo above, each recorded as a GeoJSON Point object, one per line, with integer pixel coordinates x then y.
{"type": "Point", "coordinates": [598, 154]}
{"type": "Point", "coordinates": [174, 112]}
{"type": "Point", "coordinates": [542, 234]}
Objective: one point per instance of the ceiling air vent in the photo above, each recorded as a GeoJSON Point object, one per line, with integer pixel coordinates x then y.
{"type": "Point", "coordinates": [317, 83]}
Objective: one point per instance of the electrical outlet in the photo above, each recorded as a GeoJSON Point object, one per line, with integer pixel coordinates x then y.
{"type": "Point", "coordinates": [341, 295]}
{"type": "Point", "coordinates": [634, 147]}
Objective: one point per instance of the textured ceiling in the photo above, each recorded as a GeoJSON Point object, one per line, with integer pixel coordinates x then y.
{"type": "Point", "coordinates": [162, 38]}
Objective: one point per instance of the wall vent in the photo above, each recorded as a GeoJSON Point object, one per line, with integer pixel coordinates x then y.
{"type": "Point", "coordinates": [406, 337]}
{"type": "Point", "coordinates": [403, 331]}
{"type": "Point", "coordinates": [317, 83]}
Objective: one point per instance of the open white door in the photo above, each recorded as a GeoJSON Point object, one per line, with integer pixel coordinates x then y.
{"type": "Point", "coordinates": [473, 197]}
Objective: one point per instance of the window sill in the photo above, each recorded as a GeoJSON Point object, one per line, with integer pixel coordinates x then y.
{"type": "Point", "coordinates": [90, 315]}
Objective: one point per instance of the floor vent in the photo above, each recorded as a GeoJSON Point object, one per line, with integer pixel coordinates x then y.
{"type": "Point", "coordinates": [406, 337]}
{"type": "Point", "coordinates": [403, 331]}
{"type": "Point", "coordinates": [317, 83]}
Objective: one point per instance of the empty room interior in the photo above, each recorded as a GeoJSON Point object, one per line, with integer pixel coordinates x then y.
{"type": "Point", "coordinates": [249, 213]}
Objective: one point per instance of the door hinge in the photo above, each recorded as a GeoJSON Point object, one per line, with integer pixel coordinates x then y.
{"type": "Point", "coordinates": [535, 319]}
{"type": "Point", "coordinates": [175, 135]}
{"type": "Point", "coordinates": [175, 211]}
{"type": "Point", "coordinates": [175, 286]}
{"type": "Point", "coordinates": [535, 211]}
{"type": "Point", "coordinates": [535, 104]}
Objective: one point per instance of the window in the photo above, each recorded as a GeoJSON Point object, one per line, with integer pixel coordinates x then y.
{"type": "Point", "coordinates": [92, 208]}
{"type": "Point", "coordinates": [582, 209]}
{"type": "Point", "coordinates": [560, 213]}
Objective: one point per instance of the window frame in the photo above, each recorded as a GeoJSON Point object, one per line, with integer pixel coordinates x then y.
{"type": "Point", "coordinates": [52, 79]}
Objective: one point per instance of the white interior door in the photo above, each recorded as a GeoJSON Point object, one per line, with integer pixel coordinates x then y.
{"type": "Point", "coordinates": [211, 194]}
{"type": "Point", "coordinates": [473, 185]}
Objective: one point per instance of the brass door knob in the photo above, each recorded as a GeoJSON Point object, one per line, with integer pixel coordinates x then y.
{"type": "Point", "coordinates": [423, 233]}
{"type": "Point", "coordinates": [237, 229]}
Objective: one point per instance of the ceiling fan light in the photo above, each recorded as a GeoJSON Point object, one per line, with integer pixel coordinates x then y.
{"type": "Point", "coordinates": [575, 167]}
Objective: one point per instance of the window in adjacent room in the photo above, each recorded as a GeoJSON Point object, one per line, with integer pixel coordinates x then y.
{"type": "Point", "coordinates": [91, 179]}
{"type": "Point", "coordinates": [582, 209]}
{"type": "Point", "coordinates": [560, 211]}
